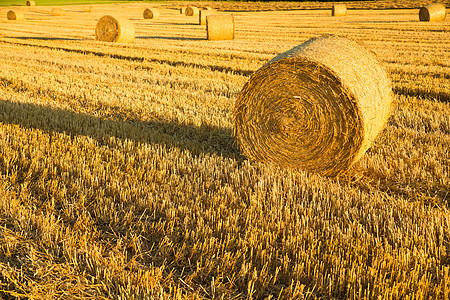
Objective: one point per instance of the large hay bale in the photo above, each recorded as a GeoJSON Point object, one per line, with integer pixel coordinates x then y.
{"type": "Point", "coordinates": [57, 12]}
{"type": "Point", "coordinates": [14, 15]}
{"type": "Point", "coordinates": [316, 107]}
{"type": "Point", "coordinates": [182, 10]}
{"type": "Point", "coordinates": [192, 11]}
{"type": "Point", "coordinates": [202, 16]}
{"type": "Point", "coordinates": [151, 13]}
{"type": "Point", "coordinates": [339, 10]}
{"type": "Point", "coordinates": [87, 8]}
{"type": "Point", "coordinates": [220, 27]}
{"type": "Point", "coordinates": [433, 12]}
{"type": "Point", "coordinates": [114, 29]}
{"type": "Point", "coordinates": [31, 3]}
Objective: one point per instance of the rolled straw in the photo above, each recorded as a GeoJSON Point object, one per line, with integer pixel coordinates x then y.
{"type": "Point", "coordinates": [316, 107]}
{"type": "Point", "coordinates": [182, 10]}
{"type": "Point", "coordinates": [87, 8]}
{"type": "Point", "coordinates": [339, 10]}
{"type": "Point", "coordinates": [31, 3]}
{"type": "Point", "coordinates": [14, 15]}
{"type": "Point", "coordinates": [220, 27]}
{"type": "Point", "coordinates": [433, 12]}
{"type": "Point", "coordinates": [192, 11]}
{"type": "Point", "coordinates": [202, 16]}
{"type": "Point", "coordinates": [112, 29]}
{"type": "Point", "coordinates": [151, 13]}
{"type": "Point", "coordinates": [57, 12]}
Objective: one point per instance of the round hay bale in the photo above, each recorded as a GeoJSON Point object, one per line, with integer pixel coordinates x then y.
{"type": "Point", "coordinates": [316, 107]}
{"type": "Point", "coordinates": [182, 10]}
{"type": "Point", "coordinates": [220, 27]}
{"type": "Point", "coordinates": [31, 3]}
{"type": "Point", "coordinates": [87, 8]}
{"type": "Point", "coordinates": [151, 13]}
{"type": "Point", "coordinates": [202, 16]}
{"type": "Point", "coordinates": [191, 11]}
{"type": "Point", "coordinates": [339, 10]}
{"type": "Point", "coordinates": [433, 12]}
{"type": "Point", "coordinates": [112, 29]}
{"type": "Point", "coordinates": [14, 15]}
{"type": "Point", "coordinates": [57, 12]}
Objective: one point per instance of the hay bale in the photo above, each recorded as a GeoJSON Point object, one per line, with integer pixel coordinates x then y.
{"type": "Point", "coordinates": [31, 3]}
{"type": "Point", "coordinates": [220, 27]}
{"type": "Point", "coordinates": [202, 16]}
{"type": "Point", "coordinates": [14, 15]}
{"type": "Point", "coordinates": [151, 13]}
{"type": "Point", "coordinates": [433, 12]}
{"type": "Point", "coordinates": [57, 12]}
{"type": "Point", "coordinates": [87, 8]}
{"type": "Point", "coordinates": [112, 29]}
{"type": "Point", "coordinates": [182, 10]}
{"type": "Point", "coordinates": [316, 107]}
{"type": "Point", "coordinates": [339, 10]}
{"type": "Point", "coordinates": [191, 11]}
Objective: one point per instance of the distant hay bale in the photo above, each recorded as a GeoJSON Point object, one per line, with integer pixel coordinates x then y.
{"type": "Point", "coordinates": [87, 8]}
{"type": "Point", "coordinates": [112, 29]}
{"type": "Point", "coordinates": [192, 11]}
{"type": "Point", "coordinates": [339, 10]}
{"type": "Point", "coordinates": [57, 12]}
{"type": "Point", "coordinates": [182, 10]}
{"type": "Point", "coordinates": [14, 15]}
{"type": "Point", "coordinates": [151, 13]}
{"type": "Point", "coordinates": [220, 27]}
{"type": "Point", "coordinates": [31, 3]}
{"type": "Point", "coordinates": [316, 107]}
{"type": "Point", "coordinates": [202, 16]}
{"type": "Point", "coordinates": [433, 12]}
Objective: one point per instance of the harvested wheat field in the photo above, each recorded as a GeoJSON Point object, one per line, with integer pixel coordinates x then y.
{"type": "Point", "coordinates": [121, 177]}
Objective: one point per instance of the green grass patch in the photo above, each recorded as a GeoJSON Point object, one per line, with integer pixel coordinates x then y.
{"type": "Point", "coordinates": [58, 2]}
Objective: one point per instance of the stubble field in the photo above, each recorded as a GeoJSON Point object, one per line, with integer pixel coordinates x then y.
{"type": "Point", "coordinates": [120, 177]}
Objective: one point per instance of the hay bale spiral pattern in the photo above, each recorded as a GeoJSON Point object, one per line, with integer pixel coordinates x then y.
{"type": "Point", "coordinates": [433, 12]}
{"type": "Point", "coordinates": [14, 15]}
{"type": "Point", "coordinates": [31, 3]}
{"type": "Point", "coordinates": [151, 13]}
{"type": "Point", "coordinates": [317, 107]}
{"type": "Point", "coordinates": [192, 11]}
{"type": "Point", "coordinates": [114, 29]}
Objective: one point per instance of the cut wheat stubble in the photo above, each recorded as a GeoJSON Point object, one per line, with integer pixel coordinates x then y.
{"type": "Point", "coordinates": [317, 107]}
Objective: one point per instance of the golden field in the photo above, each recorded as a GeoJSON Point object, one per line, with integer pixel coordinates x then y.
{"type": "Point", "coordinates": [120, 177]}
